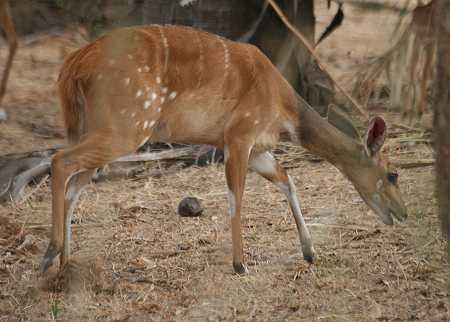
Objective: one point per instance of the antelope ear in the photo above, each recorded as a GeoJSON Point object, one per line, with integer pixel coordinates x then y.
{"type": "Point", "coordinates": [375, 135]}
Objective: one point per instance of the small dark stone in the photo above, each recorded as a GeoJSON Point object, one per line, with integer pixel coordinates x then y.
{"type": "Point", "coordinates": [190, 207]}
{"type": "Point", "coordinates": [183, 247]}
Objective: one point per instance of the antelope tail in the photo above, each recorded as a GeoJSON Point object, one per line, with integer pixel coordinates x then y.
{"type": "Point", "coordinates": [71, 81]}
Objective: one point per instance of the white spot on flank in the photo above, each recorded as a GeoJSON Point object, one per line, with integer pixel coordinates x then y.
{"type": "Point", "coordinates": [138, 122]}
{"type": "Point", "coordinates": [256, 122]}
{"type": "Point", "coordinates": [112, 61]}
{"type": "Point", "coordinates": [146, 68]}
{"type": "Point", "coordinates": [158, 80]}
{"type": "Point", "coordinates": [163, 99]}
{"type": "Point", "coordinates": [100, 76]}
{"type": "Point", "coordinates": [154, 96]}
{"type": "Point", "coordinates": [147, 104]}
{"type": "Point", "coordinates": [164, 90]}
{"type": "Point", "coordinates": [139, 93]}
{"type": "Point", "coordinates": [145, 124]}
{"type": "Point", "coordinates": [130, 57]}
{"type": "Point", "coordinates": [152, 123]}
{"type": "Point", "coordinates": [231, 203]}
{"type": "Point", "coordinates": [133, 114]}
{"type": "Point", "coordinates": [139, 70]}
{"type": "Point", "coordinates": [127, 81]}
{"type": "Point", "coordinates": [158, 110]}
{"type": "Point", "coordinates": [123, 111]}
{"type": "Point", "coordinates": [172, 95]}
{"type": "Point", "coordinates": [147, 88]}
{"type": "Point", "coordinates": [247, 114]}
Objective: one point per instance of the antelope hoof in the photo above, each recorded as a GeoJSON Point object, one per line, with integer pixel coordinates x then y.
{"type": "Point", "coordinates": [309, 254]}
{"type": "Point", "coordinates": [50, 254]}
{"type": "Point", "coordinates": [240, 268]}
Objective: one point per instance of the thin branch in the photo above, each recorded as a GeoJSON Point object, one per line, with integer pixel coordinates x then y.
{"type": "Point", "coordinates": [153, 156]}
{"type": "Point", "coordinates": [300, 36]}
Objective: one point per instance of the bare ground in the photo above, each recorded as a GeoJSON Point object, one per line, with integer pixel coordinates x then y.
{"type": "Point", "coordinates": [135, 259]}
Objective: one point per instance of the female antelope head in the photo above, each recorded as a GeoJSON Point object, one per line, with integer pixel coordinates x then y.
{"type": "Point", "coordinates": [373, 177]}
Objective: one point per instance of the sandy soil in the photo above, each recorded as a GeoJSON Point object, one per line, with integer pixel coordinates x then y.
{"type": "Point", "coordinates": [135, 259]}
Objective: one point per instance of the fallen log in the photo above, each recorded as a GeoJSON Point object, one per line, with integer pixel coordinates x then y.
{"type": "Point", "coordinates": [20, 169]}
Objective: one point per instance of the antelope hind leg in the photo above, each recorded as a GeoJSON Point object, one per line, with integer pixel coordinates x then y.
{"type": "Point", "coordinates": [67, 177]}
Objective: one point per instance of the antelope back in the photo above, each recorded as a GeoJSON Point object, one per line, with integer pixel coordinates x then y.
{"type": "Point", "coordinates": [171, 83]}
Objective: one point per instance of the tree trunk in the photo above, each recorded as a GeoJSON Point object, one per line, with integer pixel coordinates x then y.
{"type": "Point", "coordinates": [442, 116]}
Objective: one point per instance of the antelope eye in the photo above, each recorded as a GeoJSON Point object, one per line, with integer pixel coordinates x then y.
{"type": "Point", "coordinates": [392, 177]}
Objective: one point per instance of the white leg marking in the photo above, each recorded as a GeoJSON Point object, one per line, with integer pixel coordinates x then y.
{"type": "Point", "coordinates": [305, 237]}
{"type": "Point", "coordinates": [263, 163]}
{"type": "Point", "coordinates": [71, 195]}
{"type": "Point", "coordinates": [226, 154]}
{"type": "Point", "coordinates": [291, 193]}
{"type": "Point", "coordinates": [231, 203]}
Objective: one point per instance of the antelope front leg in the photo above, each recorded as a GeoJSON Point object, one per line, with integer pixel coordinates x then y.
{"type": "Point", "coordinates": [266, 166]}
{"type": "Point", "coordinates": [236, 159]}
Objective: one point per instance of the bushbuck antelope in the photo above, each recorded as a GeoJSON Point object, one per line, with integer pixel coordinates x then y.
{"type": "Point", "coordinates": [177, 84]}
{"type": "Point", "coordinates": [7, 25]}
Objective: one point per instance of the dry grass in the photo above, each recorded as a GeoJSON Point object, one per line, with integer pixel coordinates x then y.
{"type": "Point", "coordinates": [135, 259]}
